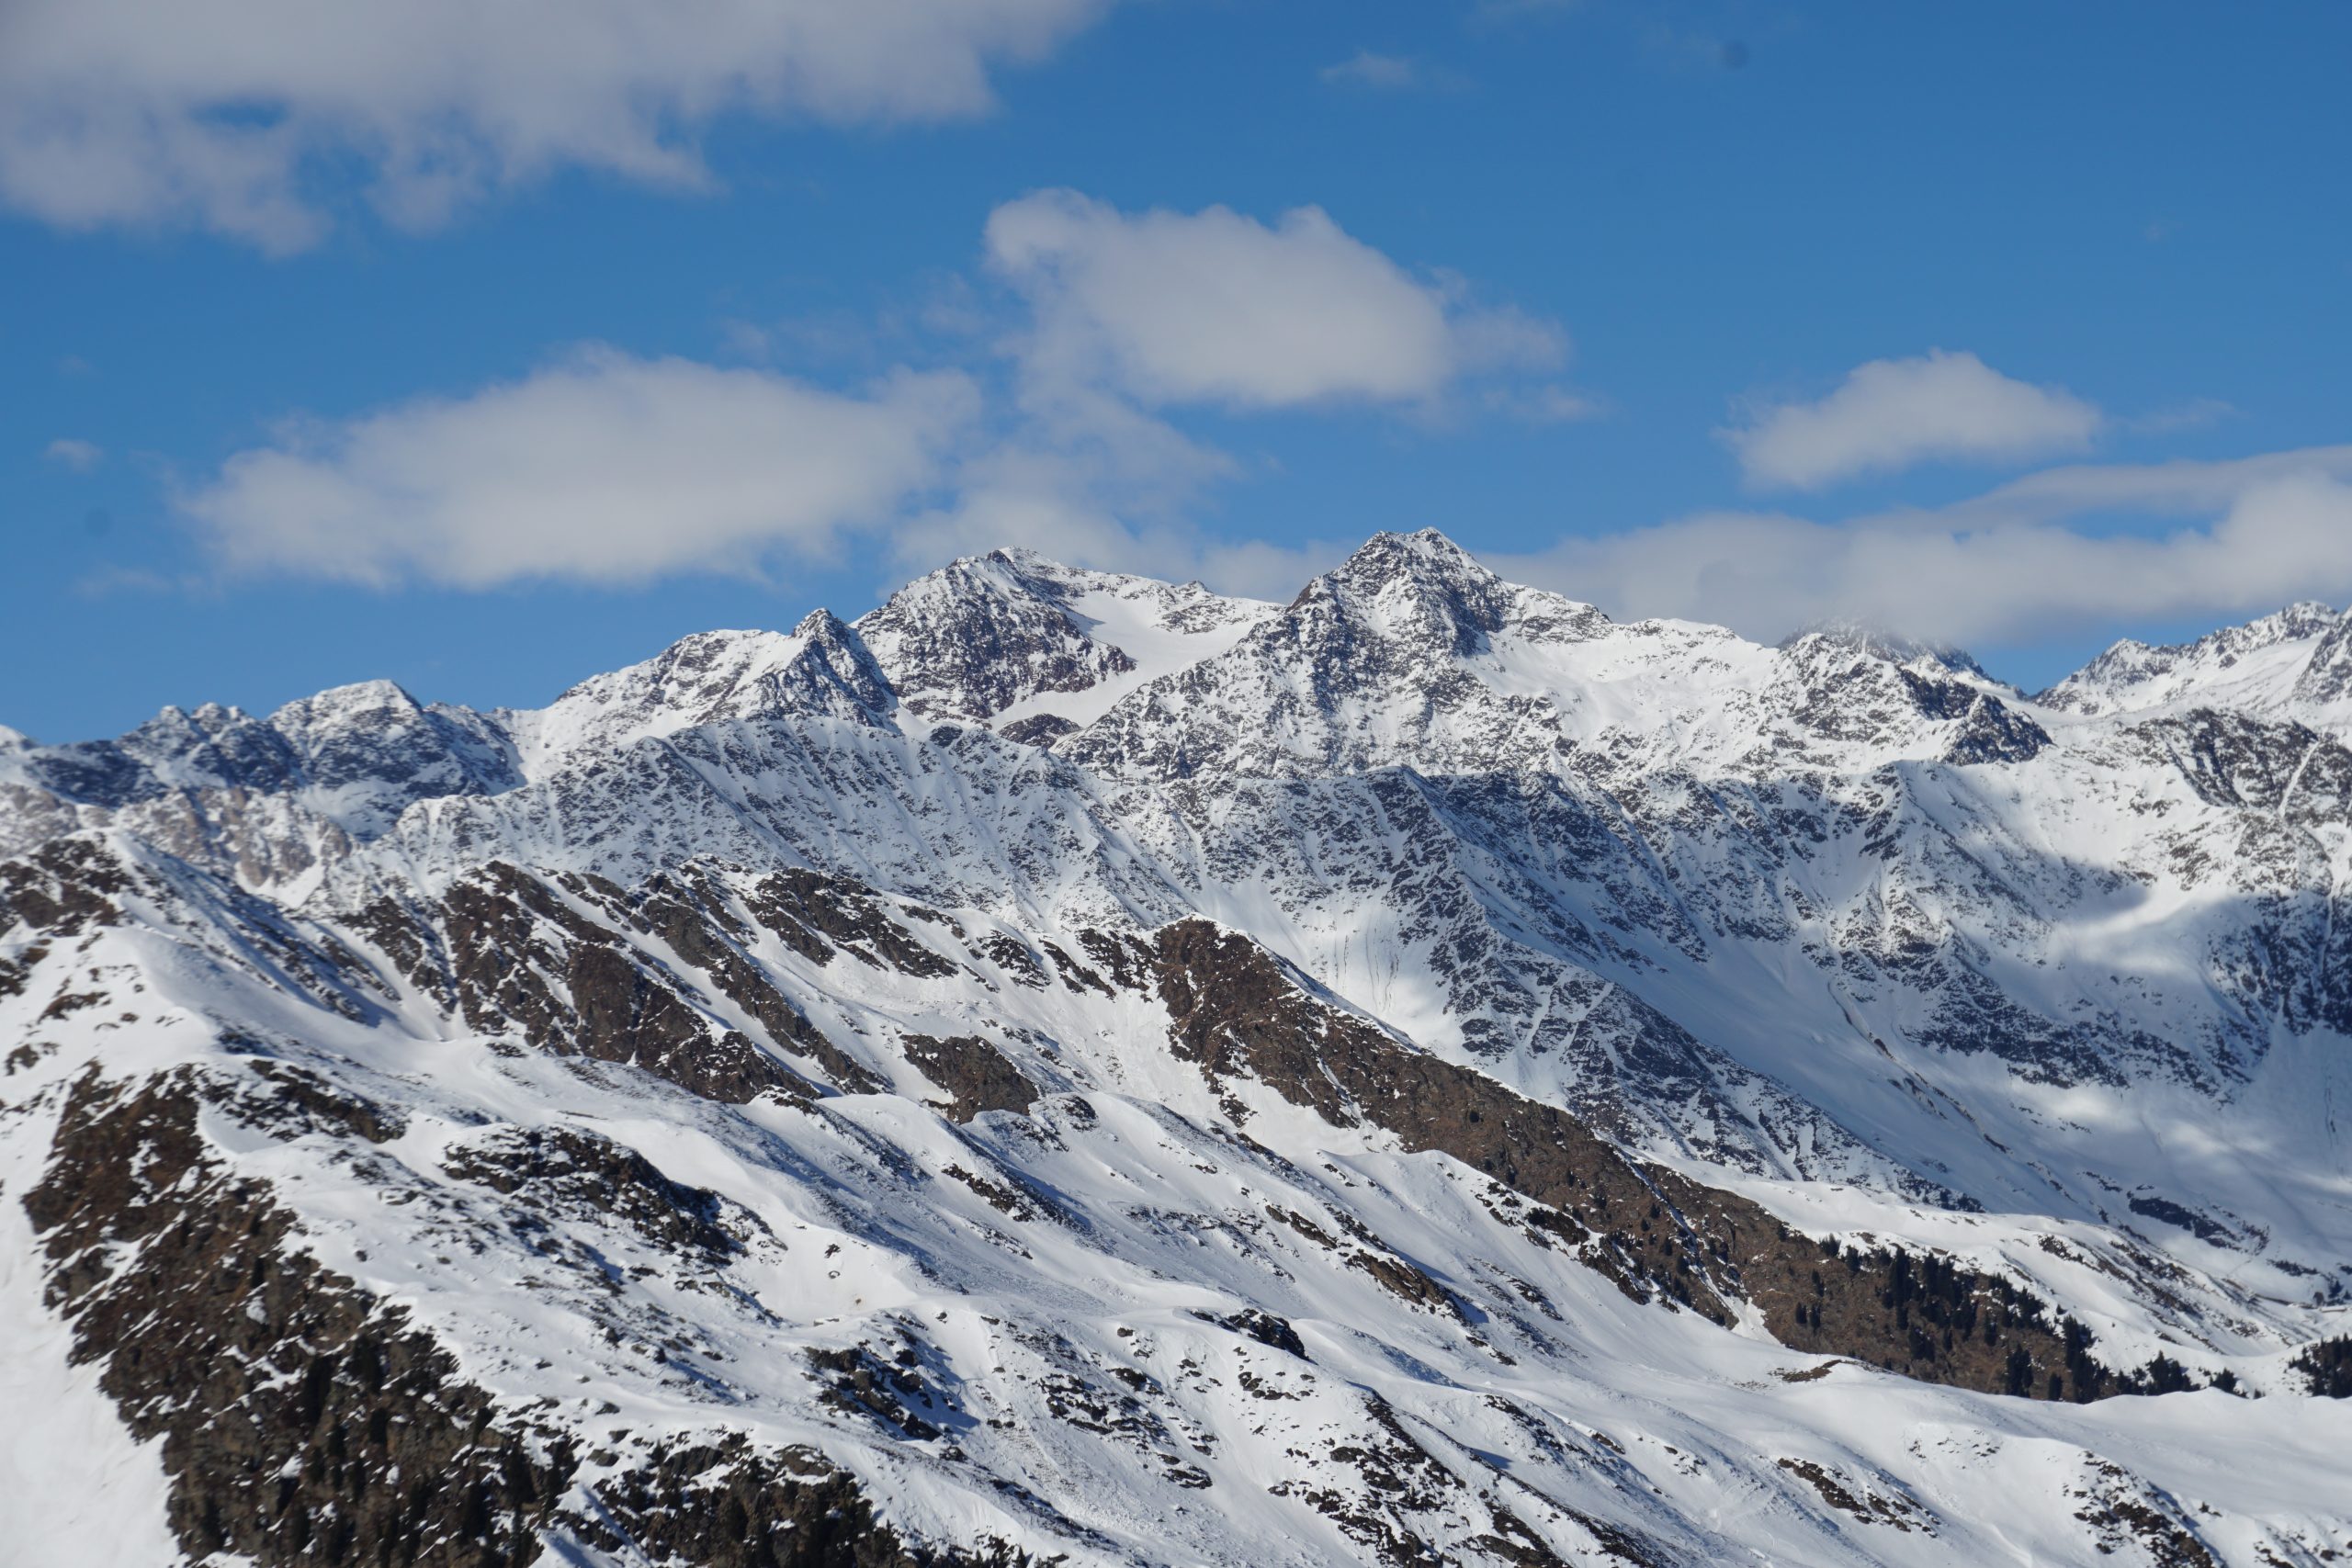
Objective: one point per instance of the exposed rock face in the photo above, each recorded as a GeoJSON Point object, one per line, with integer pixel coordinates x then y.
{"type": "Point", "coordinates": [1653, 1231]}
{"type": "Point", "coordinates": [1074, 1068]}
{"type": "Point", "coordinates": [304, 1421]}
{"type": "Point", "coordinates": [299, 1420]}
{"type": "Point", "coordinates": [978, 638]}
{"type": "Point", "coordinates": [974, 1074]}
{"type": "Point", "coordinates": [522, 957]}
{"type": "Point", "coordinates": [2326, 680]}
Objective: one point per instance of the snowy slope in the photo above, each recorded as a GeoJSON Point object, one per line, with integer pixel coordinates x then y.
{"type": "Point", "coordinates": [2295, 663]}
{"type": "Point", "coordinates": [1070, 1064]}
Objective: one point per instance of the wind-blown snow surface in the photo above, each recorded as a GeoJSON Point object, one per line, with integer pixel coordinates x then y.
{"type": "Point", "coordinates": [764, 1044]}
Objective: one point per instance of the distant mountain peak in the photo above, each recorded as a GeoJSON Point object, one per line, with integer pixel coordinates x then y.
{"type": "Point", "coordinates": [1418, 587]}
{"type": "Point", "coordinates": [344, 704]}
{"type": "Point", "coordinates": [1425, 555]}
{"type": "Point", "coordinates": [1013, 636]}
{"type": "Point", "coordinates": [2254, 663]}
{"type": "Point", "coordinates": [1879, 641]}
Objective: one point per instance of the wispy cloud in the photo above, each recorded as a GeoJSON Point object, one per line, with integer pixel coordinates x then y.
{"type": "Point", "coordinates": [1391, 73]}
{"type": "Point", "coordinates": [81, 456]}
{"type": "Point", "coordinates": [2197, 413]}
{"type": "Point", "coordinates": [2034, 559]}
{"type": "Point", "coordinates": [1131, 315]}
{"type": "Point", "coordinates": [1890, 414]}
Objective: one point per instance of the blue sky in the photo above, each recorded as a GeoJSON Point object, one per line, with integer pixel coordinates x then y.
{"type": "Point", "coordinates": [485, 366]}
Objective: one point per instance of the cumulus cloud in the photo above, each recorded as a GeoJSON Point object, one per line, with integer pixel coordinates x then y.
{"type": "Point", "coordinates": [604, 469]}
{"type": "Point", "coordinates": [1893, 413]}
{"type": "Point", "coordinates": [1217, 308]}
{"type": "Point", "coordinates": [79, 456]}
{"type": "Point", "coordinates": [2031, 560]}
{"type": "Point", "coordinates": [231, 115]}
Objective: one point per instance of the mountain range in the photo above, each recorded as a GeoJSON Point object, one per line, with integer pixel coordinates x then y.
{"type": "Point", "coordinates": [1069, 1068]}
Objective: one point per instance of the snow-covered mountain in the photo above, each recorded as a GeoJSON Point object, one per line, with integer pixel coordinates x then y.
{"type": "Point", "coordinates": [2294, 664]}
{"type": "Point", "coordinates": [1069, 1067]}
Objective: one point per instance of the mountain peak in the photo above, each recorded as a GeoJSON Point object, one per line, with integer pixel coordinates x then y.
{"type": "Point", "coordinates": [1029, 562]}
{"type": "Point", "coordinates": [2132, 674]}
{"type": "Point", "coordinates": [1010, 573]}
{"type": "Point", "coordinates": [2305, 616]}
{"type": "Point", "coordinates": [821, 625]}
{"type": "Point", "coordinates": [831, 1096]}
{"type": "Point", "coordinates": [1013, 636]}
{"type": "Point", "coordinates": [981, 634]}
{"type": "Point", "coordinates": [1418, 587]}
{"type": "Point", "coordinates": [1879, 642]}
{"type": "Point", "coordinates": [1426, 551]}
{"type": "Point", "coordinates": [821, 668]}
{"type": "Point", "coordinates": [343, 704]}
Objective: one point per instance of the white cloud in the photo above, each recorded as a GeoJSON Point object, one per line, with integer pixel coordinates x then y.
{"type": "Point", "coordinates": [231, 115]}
{"type": "Point", "coordinates": [1891, 413]}
{"type": "Point", "coordinates": [1216, 308]}
{"type": "Point", "coordinates": [79, 456]}
{"type": "Point", "coordinates": [2029, 561]}
{"type": "Point", "coordinates": [2181, 487]}
{"type": "Point", "coordinates": [604, 469]}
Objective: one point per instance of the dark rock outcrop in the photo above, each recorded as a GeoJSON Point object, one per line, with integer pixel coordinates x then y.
{"type": "Point", "coordinates": [305, 1423]}
{"type": "Point", "coordinates": [974, 1074]}
{"type": "Point", "coordinates": [1241, 1015]}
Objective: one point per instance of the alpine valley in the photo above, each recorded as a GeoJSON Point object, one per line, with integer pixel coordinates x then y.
{"type": "Point", "coordinates": [1069, 1068]}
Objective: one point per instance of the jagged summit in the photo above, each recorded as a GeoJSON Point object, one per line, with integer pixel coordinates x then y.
{"type": "Point", "coordinates": [1881, 642]}
{"type": "Point", "coordinates": [1421, 552]}
{"type": "Point", "coordinates": [1417, 586]}
{"type": "Point", "coordinates": [1012, 637]}
{"type": "Point", "coordinates": [2254, 664]}
{"type": "Point", "coordinates": [1419, 565]}
{"type": "Point", "coordinates": [820, 669]}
